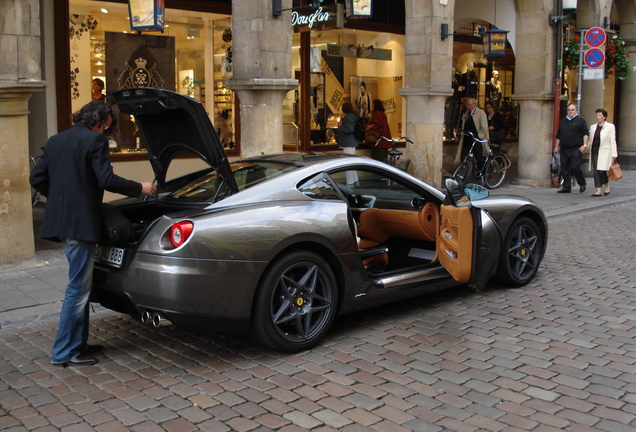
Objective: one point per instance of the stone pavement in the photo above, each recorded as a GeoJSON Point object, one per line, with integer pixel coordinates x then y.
{"type": "Point", "coordinates": [558, 354]}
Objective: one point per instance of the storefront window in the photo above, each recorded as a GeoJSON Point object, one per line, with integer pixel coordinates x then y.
{"type": "Point", "coordinates": [191, 57]}
{"type": "Point", "coordinates": [342, 64]}
{"type": "Point", "coordinates": [485, 79]}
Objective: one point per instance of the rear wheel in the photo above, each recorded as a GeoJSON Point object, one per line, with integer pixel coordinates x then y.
{"type": "Point", "coordinates": [462, 172]}
{"type": "Point", "coordinates": [495, 171]}
{"type": "Point", "coordinates": [522, 253]}
{"type": "Point", "coordinates": [295, 303]}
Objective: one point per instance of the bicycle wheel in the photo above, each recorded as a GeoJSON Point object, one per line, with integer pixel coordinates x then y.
{"type": "Point", "coordinates": [495, 171]}
{"type": "Point", "coordinates": [463, 171]}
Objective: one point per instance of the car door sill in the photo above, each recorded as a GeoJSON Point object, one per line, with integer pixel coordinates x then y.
{"type": "Point", "coordinates": [410, 277]}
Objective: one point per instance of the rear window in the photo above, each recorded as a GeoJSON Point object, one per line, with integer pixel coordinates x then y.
{"type": "Point", "coordinates": [210, 187]}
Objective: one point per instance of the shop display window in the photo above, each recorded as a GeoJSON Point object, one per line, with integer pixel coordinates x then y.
{"type": "Point", "coordinates": [193, 50]}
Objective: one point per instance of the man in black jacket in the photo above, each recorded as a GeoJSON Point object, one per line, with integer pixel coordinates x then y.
{"type": "Point", "coordinates": [72, 174]}
{"type": "Point", "coordinates": [572, 139]}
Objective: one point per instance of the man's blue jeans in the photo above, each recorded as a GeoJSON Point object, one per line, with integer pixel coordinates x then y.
{"type": "Point", "coordinates": [72, 330]}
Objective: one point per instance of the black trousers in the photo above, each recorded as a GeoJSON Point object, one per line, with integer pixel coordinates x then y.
{"type": "Point", "coordinates": [571, 165]}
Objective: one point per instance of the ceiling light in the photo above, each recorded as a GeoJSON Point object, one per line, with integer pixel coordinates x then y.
{"type": "Point", "coordinates": [104, 10]}
{"type": "Point", "coordinates": [99, 71]}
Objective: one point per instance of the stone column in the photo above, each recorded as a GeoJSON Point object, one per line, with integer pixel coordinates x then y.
{"type": "Point", "coordinates": [534, 78]}
{"type": "Point", "coordinates": [16, 217]}
{"type": "Point", "coordinates": [626, 138]}
{"type": "Point", "coordinates": [428, 65]}
{"type": "Point", "coordinates": [20, 75]}
{"type": "Point", "coordinates": [261, 45]}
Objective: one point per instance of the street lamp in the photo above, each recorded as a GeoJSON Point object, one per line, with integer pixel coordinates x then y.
{"type": "Point", "coordinates": [495, 43]}
{"type": "Point", "coordinates": [494, 40]}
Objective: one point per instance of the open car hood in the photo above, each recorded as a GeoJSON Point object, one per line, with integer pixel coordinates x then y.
{"type": "Point", "coordinates": [172, 124]}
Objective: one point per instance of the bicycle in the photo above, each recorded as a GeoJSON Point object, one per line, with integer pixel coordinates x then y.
{"type": "Point", "coordinates": [394, 154]}
{"type": "Point", "coordinates": [492, 173]}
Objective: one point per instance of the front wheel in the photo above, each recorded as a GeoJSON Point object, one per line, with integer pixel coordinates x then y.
{"type": "Point", "coordinates": [462, 172]}
{"type": "Point", "coordinates": [295, 303]}
{"type": "Point", "coordinates": [495, 171]}
{"type": "Point", "coordinates": [522, 252]}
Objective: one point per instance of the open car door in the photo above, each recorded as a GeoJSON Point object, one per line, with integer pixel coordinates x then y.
{"type": "Point", "coordinates": [469, 241]}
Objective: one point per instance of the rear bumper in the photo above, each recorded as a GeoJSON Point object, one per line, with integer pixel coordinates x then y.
{"type": "Point", "coordinates": [207, 295]}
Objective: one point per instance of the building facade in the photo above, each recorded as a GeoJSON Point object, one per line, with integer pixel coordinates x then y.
{"type": "Point", "coordinates": [275, 83]}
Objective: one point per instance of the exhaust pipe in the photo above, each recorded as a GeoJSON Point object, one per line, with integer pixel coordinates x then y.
{"type": "Point", "coordinates": [159, 320]}
{"type": "Point", "coordinates": [146, 317]}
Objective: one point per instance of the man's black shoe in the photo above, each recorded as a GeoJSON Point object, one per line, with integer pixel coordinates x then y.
{"type": "Point", "coordinates": [92, 349]}
{"type": "Point", "coordinates": [582, 189]}
{"type": "Point", "coordinates": [78, 362]}
{"type": "Point", "coordinates": [564, 191]}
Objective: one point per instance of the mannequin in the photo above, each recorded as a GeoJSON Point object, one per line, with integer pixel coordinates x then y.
{"type": "Point", "coordinates": [495, 89]}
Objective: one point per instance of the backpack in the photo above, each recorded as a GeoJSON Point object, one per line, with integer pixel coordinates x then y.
{"type": "Point", "coordinates": [358, 131]}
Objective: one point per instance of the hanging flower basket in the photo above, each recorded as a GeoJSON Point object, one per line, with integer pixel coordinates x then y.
{"type": "Point", "coordinates": [617, 62]}
{"type": "Point", "coordinates": [571, 51]}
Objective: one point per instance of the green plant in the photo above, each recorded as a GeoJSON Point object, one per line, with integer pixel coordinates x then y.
{"type": "Point", "coordinates": [617, 59]}
{"type": "Point", "coordinates": [571, 50]}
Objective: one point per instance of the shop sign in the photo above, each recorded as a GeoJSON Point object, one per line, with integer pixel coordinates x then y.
{"type": "Point", "coordinates": [323, 18]}
{"type": "Point", "coordinates": [359, 8]}
{"type": "Point", "coordinates": [352, 50]}
{"type": "Point", "coordinates": [146, 15]}
{"type": "Point", "coordinates": [335, 92]}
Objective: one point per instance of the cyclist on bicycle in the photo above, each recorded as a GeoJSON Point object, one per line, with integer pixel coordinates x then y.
{"type": "Point", "coordinates": [473, 120]}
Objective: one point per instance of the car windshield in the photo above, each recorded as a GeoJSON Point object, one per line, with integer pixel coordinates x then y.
{"type": "Point", "coordinates": [247, 174]}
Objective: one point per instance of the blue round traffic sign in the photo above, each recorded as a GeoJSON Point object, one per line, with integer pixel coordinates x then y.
{"type": "Point", "coordinates": [595, 37]}
{"type": "Point", "coordinates": [594, 58]}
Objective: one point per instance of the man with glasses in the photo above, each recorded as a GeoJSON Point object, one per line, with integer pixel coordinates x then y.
{"type": "Point", "coordinates": [571, 143]}
{"type": "Point", "coordinates": [72, 174]}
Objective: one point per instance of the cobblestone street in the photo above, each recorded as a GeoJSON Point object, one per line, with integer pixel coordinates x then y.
{"type": "Point", "coordinates": [558, 354]}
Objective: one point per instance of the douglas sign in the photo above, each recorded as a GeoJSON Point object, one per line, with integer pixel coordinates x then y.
{"type": "Point", "coordinates": [319, 16]}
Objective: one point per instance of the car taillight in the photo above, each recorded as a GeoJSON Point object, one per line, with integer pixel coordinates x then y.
{"type": "Point", "coordinates": [179, 233]}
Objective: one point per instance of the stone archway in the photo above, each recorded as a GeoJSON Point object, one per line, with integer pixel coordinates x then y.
{"type": "Point", "coordinates": [428, 66]}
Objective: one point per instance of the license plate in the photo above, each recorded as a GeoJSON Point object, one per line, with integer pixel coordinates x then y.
{"type": "Point", "coordinates": [110, 255]}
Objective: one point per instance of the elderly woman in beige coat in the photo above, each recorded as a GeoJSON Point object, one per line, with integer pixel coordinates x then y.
{"type": "Point", "coordinates": [602, 151]}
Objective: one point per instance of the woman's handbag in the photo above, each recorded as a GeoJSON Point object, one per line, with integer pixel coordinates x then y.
{"type": "Point", "coordinates": [371, 136]}
{"type": "Point", "coordinates": [615, 172]}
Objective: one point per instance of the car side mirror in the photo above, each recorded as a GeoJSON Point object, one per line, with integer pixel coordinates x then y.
{"type": "Point", "coordinates": [475, 192]}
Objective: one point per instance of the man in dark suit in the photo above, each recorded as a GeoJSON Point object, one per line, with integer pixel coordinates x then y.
{"type": "Point", "coordinates": [73, 174]}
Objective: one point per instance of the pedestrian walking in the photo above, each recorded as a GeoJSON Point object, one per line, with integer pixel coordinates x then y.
{"type": "Point", "coordinates": [72, 174]}
{"type": "Point", "coordinates": [602, 152]}
{"type": "Point", "coordinates": [571, 142]}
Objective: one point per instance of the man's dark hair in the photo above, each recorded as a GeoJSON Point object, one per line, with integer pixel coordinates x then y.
{"type": "Point", "coordinates": [363, 84]}
{"type": "Point", "coordinates": [93, 113]}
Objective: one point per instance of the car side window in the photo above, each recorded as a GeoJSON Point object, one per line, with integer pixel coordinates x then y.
{"type": "Point", "coordinates": [318, 187]}
{"type": "Point", "coordinates": [375, 189]}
